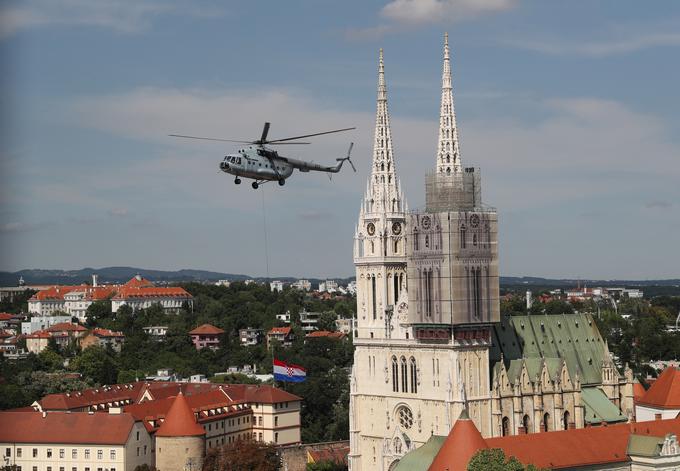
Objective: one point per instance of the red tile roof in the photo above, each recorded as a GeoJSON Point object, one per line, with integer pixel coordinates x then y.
{"type": "Point", "coordinates": [137, 281]}
{"type": "Point", "coordinates": [325, 334]}
{"type": "Point", "coordinates": [60, 427]}
{"type": "Point", "coordinates": [463, 442]}
{"type": "Point", "coordinates": [5, 316]}
{"type": "Point", "coordinates": [180, 421]}
{"type": "Point", "coordinates": [206, 329]}
{"type": "Point", "coordinates": [93, 396]}
{"type": "Point", "coordinates": [151, 292]}
{"type": "Point", "coordinates": [66, 327]}
{"type": "Point", "coordinates": [638, 391]}
{"type": "Point", "coordinates": [258, 393]}
{"type": "Point", "coordinates": [40, 334]}
{"type": "Point", "coordinates": [106, 333]}
{"type": "Point", "coordinates": [279, 330]}
{"type": "Point", "coordinates": [332, 453]}
{"type": "Point", "coordinates": [665, 392]}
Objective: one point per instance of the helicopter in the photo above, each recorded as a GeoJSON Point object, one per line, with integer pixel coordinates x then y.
{"type": "Point", "coordinates": [263, 164]}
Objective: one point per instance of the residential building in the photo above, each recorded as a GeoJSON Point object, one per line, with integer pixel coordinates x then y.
{"type": "Point", "coordinates": [329, 286]}
{"type": "Point", "coordinates": [206, 335]}
{"type": "Point", "coordinates": [227, 412]}
{"type": "Point", "coordinates": [103, 338]}
{"type": "Point", "coordinates": [345, 325]}
{"type": "Point", "coordinates": [662, 399]}
{"type": "Point", "coordinates": [302, 285]}
{"type": "Point", "coordinates": [250, 336]}
{"type": "Point", "coordinates": [74, 441]}
{"type": "Point", "coordinates": [157, 332]}
{"type": "Point", "coordinates": [224, 283]}
{"type": "Point", "coordinates": [325, 334]}
{"type": "Point", "coordinates": [36, 323]}
{"type": "Point", "coordinates": [308, 320]}
{"type": "Point", "coordinates": [138, 293]}
{"type": "Point", "coordinates": [276, 286]}
{"type": "Point", "coordinates": [282, 335]}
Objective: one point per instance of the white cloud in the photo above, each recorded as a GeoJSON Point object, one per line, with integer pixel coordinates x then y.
{"type": "Point", "coordinates": [622, 45]}
{"type": "Point", "coordinates": [124, 16]}
{"type": "Point", "coordinates": [436, 11]}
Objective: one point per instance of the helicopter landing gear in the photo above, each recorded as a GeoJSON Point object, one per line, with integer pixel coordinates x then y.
{"type": "Point", "coordinates": [282, 181]}
{"type": "Point", "coordinates": [237, 181]}
{"type": "Point", "coordinates": [255, 185]}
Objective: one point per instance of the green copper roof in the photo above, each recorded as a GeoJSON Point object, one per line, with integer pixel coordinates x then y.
{"type": "Point", "coordinates": [598, 408]}
{"type": "Point", "coordinates": [644, 445]}
{"type": "Point", "coordinates": [572, 337]}
{"type": "Point", "coordinates": [421, 458]}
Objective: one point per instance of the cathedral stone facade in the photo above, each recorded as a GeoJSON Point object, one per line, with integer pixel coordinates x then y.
{"type": "Point", "coordinates": [429, 341]}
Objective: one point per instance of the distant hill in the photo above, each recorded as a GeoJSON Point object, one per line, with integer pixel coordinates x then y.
{"type": "Point", "coordinates": [122, 274]}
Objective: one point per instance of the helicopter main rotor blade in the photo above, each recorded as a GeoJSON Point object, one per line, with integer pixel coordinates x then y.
{"type": "Point", "coordinates": [210, 138]}
{"type": "Point", "coordinates": [308, 135]}
{"type": "Point", "coordinates": [286, 143]}
{"type": "Point", "coordinates": [265, 131]}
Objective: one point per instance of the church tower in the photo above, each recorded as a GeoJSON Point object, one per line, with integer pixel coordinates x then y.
{"type": "Point", "coordinates": [379, 244]}
{"type": "Point", "coordinates": [421, 348]}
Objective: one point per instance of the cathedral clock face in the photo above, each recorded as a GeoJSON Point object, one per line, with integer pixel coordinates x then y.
{"type": "Point", "coordinates": [370, 228]}
{"type": "Point", "coordinates": [474, 220]}
{"type": "Point", "coordinates": [396, 228]}
{"type": "Point", "coordinates": [426, 223]}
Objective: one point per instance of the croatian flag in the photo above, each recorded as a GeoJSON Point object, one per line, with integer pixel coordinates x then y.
{"type": "Point", "coordinates": [288, 372]}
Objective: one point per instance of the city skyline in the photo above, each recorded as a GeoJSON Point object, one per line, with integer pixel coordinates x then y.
{"type": "Point", "coordinates": [571, 129]}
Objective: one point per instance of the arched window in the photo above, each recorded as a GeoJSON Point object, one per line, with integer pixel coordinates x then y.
{"type": "Point", "coordinates": [427, 241]}
{"type": "Point", "coordinates": [546, 422]}
{"type": "Point", "coordinates": [448, 170]}
{"type": "Point", "coordinates": [414, 376]}
{"type": "Point", "coordinates": [372, 245]}
{"type": "Point", "coordinates": [526, 424]}
{"type": "Point", "coordinates": [382, 167]}
{"type": "Point", "coordinates": [565, 421]}
{"type": "Point", "coordinates": [404, 375]}
{"type": "Point", "coordinates": [395, 375]}
{"type": "Point", "coordinates": [396, 247]}
{"type": "Point", "coordinates": [505, 426]}
{"type": "Point", "coordinates": [463, 233]}
{"type": "Point", "coordinates": [415, 239]}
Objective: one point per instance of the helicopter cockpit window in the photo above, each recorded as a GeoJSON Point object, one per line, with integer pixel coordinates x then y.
{"type": "Point", "coordinates": [238, 160]}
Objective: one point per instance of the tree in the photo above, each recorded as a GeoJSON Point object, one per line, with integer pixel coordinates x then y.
{"type": "Point", "coordinates": [97, 365]}
{"type": "Point", "coordinates": [495, 460]}
{"type": "Point", "coordinates": [240, 455]}
{"type": "Point", "coordinates": [326, 466]}
{"type": "Point", "coordinates": [50, 360]}
{"type": "Point", "coordinates": [98, 312]}
{"type": "Point", "coordinates": [327, 321]}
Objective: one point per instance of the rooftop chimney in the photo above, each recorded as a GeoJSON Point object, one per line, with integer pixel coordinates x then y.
{"type": "Point", "coordinates": [95, 280]}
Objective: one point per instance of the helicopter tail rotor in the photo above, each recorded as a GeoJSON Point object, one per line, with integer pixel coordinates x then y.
{"type": "Point", "coordinates": [349, 151]}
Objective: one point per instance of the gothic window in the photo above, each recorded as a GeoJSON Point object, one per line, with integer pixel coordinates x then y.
{"type": "Point", "coordinates": [404, 375]}
{"type": "Point", "coordinates": [505, 427]}
{"type": "Point", "coordinates": [462, 236]}
{"type": "Point", "coordinates": [427, 241]}
{"type": "Point", "coordinates": [382, 179]}
{"type": "Point", "coordinates": [448, 158]}
{"type": "Point", "coordinates": [565, 421]}
{"type": "Point", "coordinates": [405, 417]}
{"type": "Point", "coordinates": [372, 245]}
{"type": "Point", "coordinates": [396, 247]}
{"type": "Point", "coordinates": [546, 422]}
{"type": "Point", "coordinates": [382, 166]}
{"type": "Point", "coordinates": [415, 239]}
{"type": "Point", "coordinates": [448, 170]}
{"type": "Point", "coordinates": [396, 286]}
{"type": "Point", "coordinates": [474, 240]}
{"type": "Point", "coordinates": [395, 375]}
{"type": "Point", "coordinates": [526, 424]}
{"type": "Point", "coordinates": [414, 376]}
{"type": "Point", "coordinates": [373, 295]}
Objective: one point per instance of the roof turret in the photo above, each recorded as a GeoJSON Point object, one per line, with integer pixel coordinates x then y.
{"type": "Point", "coordinates": [463, 442]}
{"type": "Point", "coordinates": [180, 421]}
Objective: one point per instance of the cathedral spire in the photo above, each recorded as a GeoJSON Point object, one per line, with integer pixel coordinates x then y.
{"type": "Point", "coordinates": [383, 193]}
{"type": "Point", "coordinates": [448, 146]}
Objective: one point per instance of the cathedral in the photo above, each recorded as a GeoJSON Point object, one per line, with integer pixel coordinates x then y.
{"type": "Point", "coordinates": [429, 338]}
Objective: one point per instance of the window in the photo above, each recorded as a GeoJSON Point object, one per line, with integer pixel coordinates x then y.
{"type": "Point", "coordinates": [565, 422]}
{"type": "Point", "coordinates": [137, 434]}
{"type": "Point", "coordinates": [61, 468]}
{"type": "Point", "coordinates": [546, 422]}
{"type": "Point", "coordinates": [526, 424]}
{"type": "Point", "coordinates": [100, 454]}
{"type": "Point", "coordinates": [74, 454]}
{"type": "Point", "coordinates": [276, 437]}
{"type": "Point", "coordinates": [113, 454]}
{"type": "Point", "coordinates": [404, 376]}
{"type": "Point", "coordinates": [505, 425]}
{"type": "Point", "coordinates": [260, 436]}
{"type": "Point", "coordinates": [144, 449]}
{"type": "Point", "coordinates": [414, 376]}
{"type": "Point", "coordinates": [395, 375]}
{"type": "Point", "coordinates": [73, 468]}
{"type": "Point", "coordinates": [8, 452]}
{"type": "Point", "coordinates": [18, 452]}
{"type": "Point", "coordinates": [87, 456]}
{"type": "Point", "coordinates": [62, 453]}
{"type": "Point", "coordinates": [276, 421]}
{"type": "Point", "coordinates": [49, 453]}
{"type": "Point", "coordinates": [405, 417]}
{"type": "Point", "coordinates": [49, 468]}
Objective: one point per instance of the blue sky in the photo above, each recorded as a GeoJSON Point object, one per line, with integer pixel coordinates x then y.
{"type": "Point", "coordinates": [570, 109]}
